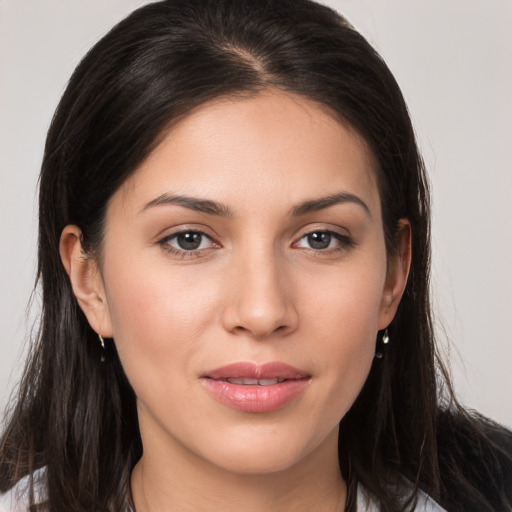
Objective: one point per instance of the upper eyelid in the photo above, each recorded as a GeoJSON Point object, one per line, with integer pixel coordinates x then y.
{"type": "Point", "coordinates": [172, 232]}
{"type": "Point", "coordinates": [170, 236]}
{"type": "Point", "coordinates": [336, 234]}
{"type": "Point", "coordinates": [336, 230]}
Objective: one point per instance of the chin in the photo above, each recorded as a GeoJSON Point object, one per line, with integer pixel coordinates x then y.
{"type": "Point", "coordinates": [262, 454]}
{"type": "Point", "coordinates": [251, 462]}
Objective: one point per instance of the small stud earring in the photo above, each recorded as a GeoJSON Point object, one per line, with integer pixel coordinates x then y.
{"type": "Point", "coordinates": [385, 337]}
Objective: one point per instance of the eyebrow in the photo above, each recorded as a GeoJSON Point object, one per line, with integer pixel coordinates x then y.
{"type": "Point", "coordinates": [215, 208]}
{"type": "Point", "coordinates": [325, 202]}
{"type": "Point", "coordinates": [192, 203]}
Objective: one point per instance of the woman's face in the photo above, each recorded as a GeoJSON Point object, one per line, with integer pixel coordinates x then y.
{"type": "Point", "coordinates": [249, 245]}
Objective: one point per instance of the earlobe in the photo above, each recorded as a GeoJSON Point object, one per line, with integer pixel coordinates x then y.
{"type": "Point", "coordinates": [397, 274]}
{"type": "Point", "coordinates": [86, 281]}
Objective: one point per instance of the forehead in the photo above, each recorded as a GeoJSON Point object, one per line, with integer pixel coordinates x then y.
{"type": "Point", "coordinates": [269, 141]}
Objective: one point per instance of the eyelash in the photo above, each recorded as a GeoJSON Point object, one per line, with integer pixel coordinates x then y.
{"type": "Point", "coordinates": [183, 253]}
{"type": "Point", "coordinates": [345, 242]}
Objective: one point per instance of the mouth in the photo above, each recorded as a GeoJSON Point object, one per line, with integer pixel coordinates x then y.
{"type": "Point", "coordinates": [250, 387]}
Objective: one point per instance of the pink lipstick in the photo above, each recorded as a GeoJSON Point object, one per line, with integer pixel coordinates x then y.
{"type": "Point", "coordinates": [250, 387]}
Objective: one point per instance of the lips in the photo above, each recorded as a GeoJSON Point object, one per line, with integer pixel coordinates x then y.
{"type": "Point", "coordinates": [250, 387]}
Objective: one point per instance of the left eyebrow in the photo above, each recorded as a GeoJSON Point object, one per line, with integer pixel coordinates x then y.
{"type": "Point", "coordinates": [321, 203]}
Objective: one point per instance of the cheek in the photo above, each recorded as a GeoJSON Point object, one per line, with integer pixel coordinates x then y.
{"type": "Point", "coordinates": [158, 316]}
{"type": "Point", "coordinates": [347, 303]}
{"type": "Point", "coordinates": [146, 294]}
{"type": "Point", "coordinates": [344, 317]}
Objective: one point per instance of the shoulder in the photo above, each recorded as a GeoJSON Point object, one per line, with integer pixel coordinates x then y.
{"type": "Point", "coordinates": [366, 503]}
{"type": "Point", "coordinates": [17, 499]}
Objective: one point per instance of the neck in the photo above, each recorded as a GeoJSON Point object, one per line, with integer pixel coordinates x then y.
{"type": "Point", "coordinates": [183, 482]}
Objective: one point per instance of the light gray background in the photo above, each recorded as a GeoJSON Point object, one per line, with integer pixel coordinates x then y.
{"type": "Point", "coordinates": [453, 60]}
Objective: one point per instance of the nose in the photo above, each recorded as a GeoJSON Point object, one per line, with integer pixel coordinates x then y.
{"type": "Point", "coordinates": [260, 298]}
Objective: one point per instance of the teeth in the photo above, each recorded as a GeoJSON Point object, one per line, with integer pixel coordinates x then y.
{"type": "Point", "coordinates": [267, 382]}
{"type": "Point", "coordinates": [247, 382]}
{"type": "Point", "coordinates": [254, 382]}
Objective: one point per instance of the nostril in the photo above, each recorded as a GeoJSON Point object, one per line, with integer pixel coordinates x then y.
{"type": "Point", "coordinates": [260, 332]}
{"type": "Point", "coordinates": [259, 308]}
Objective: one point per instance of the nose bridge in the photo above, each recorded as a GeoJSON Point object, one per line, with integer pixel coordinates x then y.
{"type": "Point", "coordinates": [260, 301]}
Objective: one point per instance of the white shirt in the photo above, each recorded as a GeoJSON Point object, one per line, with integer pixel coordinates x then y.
{"type": "Point", "coordinates": [366, 503]}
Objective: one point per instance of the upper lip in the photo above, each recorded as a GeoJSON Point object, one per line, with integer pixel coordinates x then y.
{"type": "Point", "coordinates": [249, 370]}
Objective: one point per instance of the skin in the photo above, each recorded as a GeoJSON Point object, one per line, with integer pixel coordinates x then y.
{"type": "Point", "coordinates": [256, 290]}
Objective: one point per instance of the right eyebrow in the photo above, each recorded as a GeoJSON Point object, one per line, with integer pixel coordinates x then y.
{"type": "Point", "coordinates": [192, 203]}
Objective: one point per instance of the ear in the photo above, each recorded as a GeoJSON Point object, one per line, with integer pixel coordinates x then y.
{"type": "Point", "coordinates": [86, 281]}
{"type": "Point", "coordinates": [396, 279]}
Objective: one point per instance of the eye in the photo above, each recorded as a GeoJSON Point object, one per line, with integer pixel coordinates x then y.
{"type": "Point", "coordinates": [187, 242]}
{"type": "Point", "coordinates": [322, 240]}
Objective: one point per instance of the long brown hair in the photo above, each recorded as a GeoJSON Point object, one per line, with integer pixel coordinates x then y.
{"type": "Point", "coordinates": [77, 416]}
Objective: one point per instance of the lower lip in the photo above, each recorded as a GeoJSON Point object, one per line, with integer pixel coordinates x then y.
{"type": "Point", "coordinates": [256, 398]}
